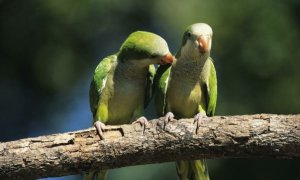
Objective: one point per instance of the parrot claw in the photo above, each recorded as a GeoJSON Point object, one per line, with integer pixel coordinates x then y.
{"type": "Point", "coordinates": [142, 121]}
{"type": "Point", "coordinates": [197, 119]}
{"type": "Point", "coordinates": [168, 117]}
{"type": "Point", "coordinates": [100, 128]}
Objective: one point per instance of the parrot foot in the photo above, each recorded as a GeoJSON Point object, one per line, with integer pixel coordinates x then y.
{"type": "Point", "coordinates": [100, 128]}
{"type": "Point", "coordinates": [197, 119]}
{"type": "Point", "coordinates": [168, 117]}
{"type": "Point", "coordinates": [142, 121]}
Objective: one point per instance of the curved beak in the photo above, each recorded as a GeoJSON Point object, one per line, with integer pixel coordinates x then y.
{"type": "Point", "coordinates": [203, 43]}
{"type": "Point", "coordinates": [167, 59]}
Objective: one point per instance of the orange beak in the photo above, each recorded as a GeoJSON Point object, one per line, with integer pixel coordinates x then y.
{"type": "Point", "coordinates": [167, 59]}
{"type": "Point", "coordinates": [203, 44]}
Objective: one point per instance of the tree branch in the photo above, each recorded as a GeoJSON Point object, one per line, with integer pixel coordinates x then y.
{"type": "Point", "coordinates": [262, 135]}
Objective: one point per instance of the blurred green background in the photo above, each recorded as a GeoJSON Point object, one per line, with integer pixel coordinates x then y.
{"type": "Point", "coordinates": [49, 49]}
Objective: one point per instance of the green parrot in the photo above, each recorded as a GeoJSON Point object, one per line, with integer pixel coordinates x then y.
{"type": "Point", "coordinates": [122, 83]}
{"type": "Point", "coordinates": [188, 89]}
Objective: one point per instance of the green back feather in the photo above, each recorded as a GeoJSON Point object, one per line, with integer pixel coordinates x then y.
{"type": "Point", "coordinates": [98, 81]}
{"type": "Point", "coordinates": [161, 81]}
{"type": "Point", "coordinates": [212, 90]}
{"type": "Point", "coordinates": [149, 85]}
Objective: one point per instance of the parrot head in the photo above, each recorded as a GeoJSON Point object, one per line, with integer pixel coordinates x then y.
{"type": "Point", "coordinates": [145, 48]}
{"type": "Point", "coordinates": [197, 39]}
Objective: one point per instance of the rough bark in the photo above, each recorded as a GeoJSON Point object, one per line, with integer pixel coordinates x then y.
{"type": "Point", "coordinates": [246, 136]}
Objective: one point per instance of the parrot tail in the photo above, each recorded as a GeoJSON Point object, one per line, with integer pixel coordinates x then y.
{"type": "Point", "coordinates": [95, 175]}
{"type": "Point", "coordinates": [192, 170]}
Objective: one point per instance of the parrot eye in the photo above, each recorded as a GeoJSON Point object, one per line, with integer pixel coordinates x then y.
{"type": "Point", "coordinates": [154, 56]}
{"type": "Point", "coordinates": [189, 34]}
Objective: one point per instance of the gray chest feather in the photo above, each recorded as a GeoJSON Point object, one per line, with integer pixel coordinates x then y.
{"type": "Point", "coordinates": [186, 89]}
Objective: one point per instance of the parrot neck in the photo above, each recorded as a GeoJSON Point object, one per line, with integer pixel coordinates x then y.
{"type": "Point", "coordinates": [191, 65]}
{"type": "Point", "coordinates": [191, 58]}
{"type": "Point", "coordinates": [130, 70]}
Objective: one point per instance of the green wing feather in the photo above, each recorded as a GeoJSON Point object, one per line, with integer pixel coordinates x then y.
{"type": "Point", "coordinates": [212, 90]}
{"type": "Point", "coordinates": [161, 81]}
{"type": "Point", "coordinates": [149, 85]}
{"type": "Point", "coordinates": [99, 81]}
